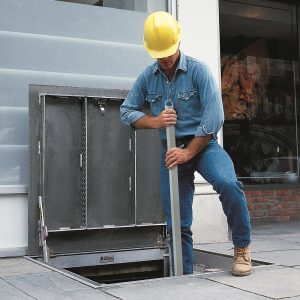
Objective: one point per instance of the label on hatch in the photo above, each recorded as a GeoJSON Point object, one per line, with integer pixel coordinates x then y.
{"type": "Point", "coordinates": [105, 259]}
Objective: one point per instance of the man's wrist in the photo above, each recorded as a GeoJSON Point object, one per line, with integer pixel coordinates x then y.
{"type": "Point", "coordinates": [197, 145]}
{"type": "Point", "coordinates": [190, 154]}
{"type": "Point", "coordinates": [147, 121]}
{"type": "Point", "coordinates": [155, 121]}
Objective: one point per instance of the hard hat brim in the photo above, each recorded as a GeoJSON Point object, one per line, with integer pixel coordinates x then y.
{"type": "Point", "coordinates": [164, 53]}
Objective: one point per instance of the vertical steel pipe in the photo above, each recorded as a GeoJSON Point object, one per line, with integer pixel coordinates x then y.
{"type": "Point", "coordinates": [174, 197]}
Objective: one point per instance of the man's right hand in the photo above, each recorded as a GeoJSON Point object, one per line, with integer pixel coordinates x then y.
{"type": "Point", "coordinates": [166, 117]}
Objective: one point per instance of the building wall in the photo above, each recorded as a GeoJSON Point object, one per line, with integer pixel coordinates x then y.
{"type": "Point", "coordinates": [58, 43]}
{"type": "Point", "coordinates": [53, 43]}
{"type": "Point", "coordinates": [67, 44]}
{"type": "Point", "coordinates": [13, 225]}
{"type": "Point", "coordinates": [86, 46]}
{"type": "Point", "coordinates": [200, 38]}
{"type": "Point", "coordinates": [273, 205]}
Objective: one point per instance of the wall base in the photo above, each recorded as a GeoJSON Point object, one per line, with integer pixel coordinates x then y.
{"type": "Point", "coordinates": [209, 224]}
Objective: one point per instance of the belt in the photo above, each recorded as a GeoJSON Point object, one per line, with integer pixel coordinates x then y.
{"type": "Point", "coordinates": [185, 139]}
{"type": "Point", "coordinates": [181, 141]}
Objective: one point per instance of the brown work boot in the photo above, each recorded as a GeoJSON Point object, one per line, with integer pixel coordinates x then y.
{"type": "Point", "coordinates": [241, 265]}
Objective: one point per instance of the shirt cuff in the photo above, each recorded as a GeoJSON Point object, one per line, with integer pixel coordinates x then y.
{"type": "Point", "coordinates": [135, 116]}
{"type": "Point", "coordinates": [203, 131]}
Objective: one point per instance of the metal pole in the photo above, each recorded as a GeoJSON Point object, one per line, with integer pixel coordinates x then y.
{"type": "Point", "coordinates": [174, 197]}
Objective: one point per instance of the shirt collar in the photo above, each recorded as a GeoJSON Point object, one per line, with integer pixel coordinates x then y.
{"type": "Point", "coordinates": [182, 65]}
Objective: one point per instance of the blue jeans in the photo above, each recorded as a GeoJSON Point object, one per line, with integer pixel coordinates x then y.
{"type": "Point", "coordinates": [216, 167]}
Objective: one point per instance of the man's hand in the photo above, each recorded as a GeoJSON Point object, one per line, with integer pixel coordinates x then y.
{"type": "Point", "coordinates": [166, 117]}
{"type": "Point", "coordinates": [177, 156]}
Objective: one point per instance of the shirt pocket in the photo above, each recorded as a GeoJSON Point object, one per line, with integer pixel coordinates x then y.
{"type": "Point", "coordinates": [186, 95]}
{"type": "Point", "coordinates": [151, 98]}
{"type": "Point", "coordinates": [188, 103]}
{"type": "Point", "coordinates": [155, 101]}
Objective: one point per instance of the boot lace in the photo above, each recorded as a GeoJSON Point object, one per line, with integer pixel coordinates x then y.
{"type": "Point", "coordinates": [241, 253]}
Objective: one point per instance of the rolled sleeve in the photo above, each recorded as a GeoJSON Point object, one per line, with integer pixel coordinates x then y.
{"type": "Point", "coordinates": [131, 108]}
{"type": "Point", "coordinates": [212, 114]}
{"type": "Point", "coordinates": [203, 130]}
{"type": "Point", "coordinates": [132, 117]}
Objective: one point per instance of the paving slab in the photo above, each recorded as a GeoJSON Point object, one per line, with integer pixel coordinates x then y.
{"type": "Point", "coordinates": [52, 285]}
{"type": "Point", "coordinates": [273, 243]}
{"type": "Point", "coordinates": [289, 258]}
{"type": "Point", "coordinates": [273, 281]}
{"type": "Point", "coordinates": [267, 244]}
{"type": "Point", "coordinates": [8, 292]}
{"type": "Point", "coordinates": [223, 248]}
{"type": "Point", "coordinates": [276, 229]}
{"type": "Point", "coordinates": [257, 245]}
{"type": "Point", "coordinates": [290, 236]}
{"type": "Point", "coordinates": [18, 266]}
{"type": "Point", "coordinates": [183, 288]}
{"type": "Point", "coordinates": [283, 256]}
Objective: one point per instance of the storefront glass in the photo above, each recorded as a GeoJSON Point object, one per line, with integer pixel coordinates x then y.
{"type": "Point", "coordinates": [259, 71]}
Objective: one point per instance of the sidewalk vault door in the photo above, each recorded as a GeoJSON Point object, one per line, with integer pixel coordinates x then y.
{"type": "Point", "coordinates": [98, 179]}
{"type": "Point", "coordinates": [88, 163]}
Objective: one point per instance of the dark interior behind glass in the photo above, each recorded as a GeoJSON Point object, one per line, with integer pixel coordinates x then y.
{"type": "Point", "coordinates": [259, 59]}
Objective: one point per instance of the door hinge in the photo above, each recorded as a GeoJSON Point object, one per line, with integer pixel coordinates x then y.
{"type": "Point", "coordinates": [80, 160]}
{"type": "Point", "coordinates": [130, 145]}
{"type": "Point", "coordinates": [130, 185]}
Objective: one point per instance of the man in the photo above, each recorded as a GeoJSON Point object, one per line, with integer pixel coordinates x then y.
{"type": "Point", "coordinates": [198, 116]}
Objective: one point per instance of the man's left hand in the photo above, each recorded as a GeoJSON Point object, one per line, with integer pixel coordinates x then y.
{"type": "Point", "coordinates": [177, 156]}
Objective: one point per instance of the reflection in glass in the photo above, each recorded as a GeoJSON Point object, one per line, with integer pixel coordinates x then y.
{"type": "Point", "coordinates": [258, 92]}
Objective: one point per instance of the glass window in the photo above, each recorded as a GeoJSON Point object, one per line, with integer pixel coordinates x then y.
{"type": "Point", "coordinates": [258, 52]}
{"type": "Point", "coordinates": [136, 5]}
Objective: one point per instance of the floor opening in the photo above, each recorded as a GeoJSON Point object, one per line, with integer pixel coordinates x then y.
{"type": "Point", "coordinates": [84, 269]}
{"type": "Point", "coordinates": [121, 272]}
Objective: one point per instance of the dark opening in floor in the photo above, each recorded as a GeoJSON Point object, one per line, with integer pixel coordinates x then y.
{"type": "Point", "coordinates": [121, 272]}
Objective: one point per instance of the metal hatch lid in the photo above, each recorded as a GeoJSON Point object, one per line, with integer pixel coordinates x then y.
{"type": "Point", "coordinates": [63, 238]}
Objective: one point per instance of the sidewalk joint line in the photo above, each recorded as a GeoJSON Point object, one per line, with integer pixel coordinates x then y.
{"type": "Point", "coordinates": [18, 288]}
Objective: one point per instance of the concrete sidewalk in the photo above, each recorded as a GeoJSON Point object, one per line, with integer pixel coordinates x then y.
{"type": "Point", "coordinates": [278, 244]}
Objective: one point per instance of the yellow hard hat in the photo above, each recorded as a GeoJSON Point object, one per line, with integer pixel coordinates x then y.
{"type": "Point", "coordinates": [161, 34]}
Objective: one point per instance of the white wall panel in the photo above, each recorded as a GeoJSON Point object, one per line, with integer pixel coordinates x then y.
{"type": "Point", "coordinates": [26, 51]}
{"type": "Point", "coordinates": [66, 19]}
{"type": "Point", "coordinates": [13, 223]}
{"type": "Point", "coordinates": [201, 39]}
{"type": "Point", "coordinates": [209, 224]}
{"type": "Point", "coordinates": [200, 31]}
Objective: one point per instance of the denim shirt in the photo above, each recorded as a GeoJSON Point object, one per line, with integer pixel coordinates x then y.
{"type": "Point", "coordinates": [195, 95]}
